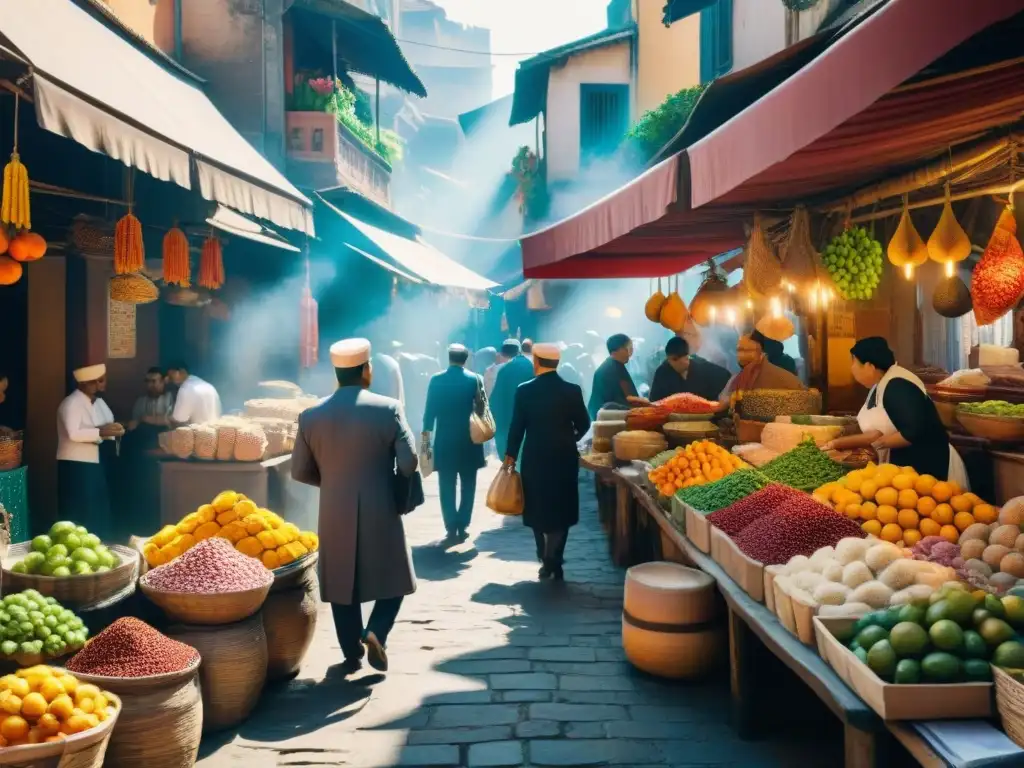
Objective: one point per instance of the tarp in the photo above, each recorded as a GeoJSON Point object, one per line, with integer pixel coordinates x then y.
{"type": "Point", "coordinates": [96, 87]}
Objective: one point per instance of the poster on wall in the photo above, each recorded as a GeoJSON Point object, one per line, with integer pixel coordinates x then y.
{"type": "Point", "coordinates": [121, 330]}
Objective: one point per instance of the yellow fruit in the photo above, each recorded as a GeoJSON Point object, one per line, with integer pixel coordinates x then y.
{"type": "Point", "coordinates": [269, 558]}
{"type": "Point", "coordinates": [853, 482]}
{"type": "Point", "coordinates": [254, 524]}
{"type": "Point", "coordinates": [963, 520]}
{"type": "Point", "coordinates": [985, 513]}
{"type": "Point", "coordinates": [902, 482]}
{"type": "Point", "coordinates": [925, 506]}
{"type": "Point", "coordinates": [868, 489]}
{"type": "Point", "coordinates": [924, 485]}
{"type": "Point", "coordinates": [928, 527]}
{"type": "Point", "coordinates": [68, 683]}
{"type": "Point", "coordinates": [51, 688]}
{"type": "Point", "coordinates": [961, 503]}
{"type": "Point", "coordinates": [950, 533]}
{"type": "Point", "coordinates": [14, 728]}
{"type": "Point", "coordinates": [250, 545]}
{"type": "Point", "coordinates": [868, 510]}
{"type": "Point", "coordinates": [81, 722]}
{"type": "Point", "coordinates": [891, 532]}
{"type": "Point", "coordinates": [887, 496]}
{"type": "Point", "coordinates": [887, 514]}
{"type": "Point", "coordinates": [207, 513]}
{"type": "Point", "coordinates": [224, 501]}
{"type": "Point", "coordinates": [907, 519]}
{"type": "Point", "coordinates": [148, 549]}
{"type": "Point", "coordinates": [86, 706]}
{"type": "Point", "coordinates": [165, 536]}
{"type": "Point", "coordinates": [48, 724]}
{"type": "Point", "coordinates": [943, 514]}
{"type": "Point", "coordinates": [281, 537]}
{"type": "Point", "coordinates": [33, 706]}
{"type": "Point", "coordinates": [206, 531]}
{"type": "Point", "coordinates": [942, 491]}
{"type": "Point", "coordinates": [61, 707]}
{"type": "Point", "coordinates": [18, 686]}
{"type": "Point", "coordinates": [284, 556]}
{"type": "Point", "coordinates": [233, 532]}
{"type": "Point", "coordinates": [296, 549]}
{"type": "Point", "coordinates": [911, 537]}
{"type": "Point", "coordinates": [827, 490]}
{"type": "Point", "coordinates": [228, 516]}
{"type": "Point", "coordinates": [871, 527]}
{"type": "Point", "coordinates": [10, 703]}
{"type": "Point", "coordinates": [188, 523]}
{"type": "Point", "coordinates": [821, 499]}
{"type": "Point", "coordinates": [169, 552]}
{"type": "Point", "coordinates": [244, 508]}
{"type": "Point", "coordinates": [907, 499]}
{"type": "Point", "coordinates": [266, 538]}
{"type": "Point", "coordinates": [852, 511]}
{"type": "Point", "coordinates": [310, 541]}
{"type": "Point", "coordinates": [187, 542]}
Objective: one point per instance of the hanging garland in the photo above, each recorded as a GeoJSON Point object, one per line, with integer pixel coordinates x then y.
{"type": "Point", "coordinates": [211, 264]}
{"type": "Point", "coordinates": [129, 251]}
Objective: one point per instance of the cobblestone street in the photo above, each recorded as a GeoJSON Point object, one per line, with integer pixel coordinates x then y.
{"type": "Point", "coordinates": [491, 668]}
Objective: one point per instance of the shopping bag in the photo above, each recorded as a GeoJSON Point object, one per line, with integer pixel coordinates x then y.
{"type": "Point", "coordinates": [481, 421]}
{"type": "Point", "coordinates": [505, 496]}
{"type": "Point", "coordinates": [426, 460]}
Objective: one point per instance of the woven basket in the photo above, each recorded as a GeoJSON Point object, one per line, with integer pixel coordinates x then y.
{"type": "Point", "coordinates": [233, 670]}
{"type": "Point", "coordinates": [295, 573]}
{"type": "Point", "coordinates": [95, 238]}
{"type": "Point", "coordinates": [72, 591]}
{"type": "Point", "coordinates": [80, 750]}
{"type": "Point", "coordinates": [1010, 703]}
{"type": "Point", "coordinates": [209, 609]}
{"type": "Point", "coordinates": [289, 619]}
{"type": "Point", "coordinates": [1000, 429]}
{"type": "Point", "coordinates": [161, 720]}
{"type": "Point", "coordinates": [133, 289]}
{"type": "Point", "coordinates": [11, 447]}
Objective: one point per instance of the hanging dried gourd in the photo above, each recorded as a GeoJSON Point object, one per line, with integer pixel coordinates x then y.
{"type": "Point", "coordinates": [800, 260]}
{"type": "Point", "coordinates": [27, 247]}
{"type": "Point", "coordinates": [762, 272]}
{"type": "Point", "coordinates": [948, 242]}
{"type": "Point", "coordinates": [177, 266]}
{"type": "Point", "coordinates": [674, 315]}
{"type": "Point", "coordinates": [997, 283]}
{"type": "Point", "coordinates": [704, 306]}
{"type": "Point", "coordinates": [652, 309]}
{"type": "Point", "coordinates": [778, 327]}
{"type": "Point", "coordinates": [14, 205]}
{"type": "Point", "coordinates": [906, 248]}
{"type": "Point", "coordinates": [211, 264]}
{"type": "Point", "coordinates": [952, 298]}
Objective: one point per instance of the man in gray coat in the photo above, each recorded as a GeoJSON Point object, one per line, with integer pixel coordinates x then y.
{"type": "Point", "coordinates": [349, 447]}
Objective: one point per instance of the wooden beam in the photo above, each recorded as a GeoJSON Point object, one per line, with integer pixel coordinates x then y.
{"type": "Point", "coordinates": [995, 189]}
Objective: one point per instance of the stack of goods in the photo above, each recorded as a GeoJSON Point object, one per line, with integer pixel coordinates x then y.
{"type": "Point", "coordinates": [734, 487]}
{"type": "Point", "coordinates": [857, 576]}
{"type": "Point", "coordinates": [766, 404]}
{"type": "Point", "coordinates": [687, 403]}
{"type": "Point", "coordinates": [279, 407]}
{"type": "Point", "coordinates": [35, 626]}
{"type": "Point", "coordinates": [784, 435]}
{"type": "Point", "coordinates": [42, 705]}
{"type": "Point", "coordinates": [649, 418]}
{"type": "Point", "coordinates": [992, 554]}
{"type": "Point", "coordinates": [67, 550]}
{"type": "Point", "coordinates": [951, 638]}
{"type": "Point", "coordinates": [898, 505]}
{"type": "Point", "coordinates": [697, 463]}
{"type": "Point", "coordinates": [607, 426]}
{"type": "Point", "coordinates": [228, 439]}
{"type": "Point", "coordinates": [638, 445]}
{"type": "Point", "coordinates": [253, 531]}
{"type": "Point", "coordinates": [805, 467]}
{"type": "Point", "coordinates": [157, 680]}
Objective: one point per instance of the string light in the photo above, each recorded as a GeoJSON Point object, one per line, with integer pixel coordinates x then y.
{"type": "Point", "coordinates": [714, 312]}
{"type": "Point", "coordinates": [776, 307]}
{"type": "Point", "coordinates": [750, 305]}
{"type": "Point", "coordinates": [730, 316]}
{"type": "Point", "coordinates": [950, 269]}
{"type": "Point", "coordinates": [908, 272]}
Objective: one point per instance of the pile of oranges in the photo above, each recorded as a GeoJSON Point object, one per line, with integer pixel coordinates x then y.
{"type": "Point", "coordinates": [899, 505]}
{"type": "Point", "coordinates": [698, 463]}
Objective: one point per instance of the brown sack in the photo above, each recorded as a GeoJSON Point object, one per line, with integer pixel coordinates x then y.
{"type": "Point", "coordinates": [505, 496]}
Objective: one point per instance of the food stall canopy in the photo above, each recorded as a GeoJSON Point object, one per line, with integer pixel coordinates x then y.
{"type": "Point", "coordinates": [235, 223]}
{"type": "Point", "coordinates": [106, 92]}
{"type": "Point", "coordinates": [805, 137]}
{"type": "Point", "coordinates": [407, 257]}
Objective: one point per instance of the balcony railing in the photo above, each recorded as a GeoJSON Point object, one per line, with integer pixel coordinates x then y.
{"type": "Point", "coordinates": [323, 153]}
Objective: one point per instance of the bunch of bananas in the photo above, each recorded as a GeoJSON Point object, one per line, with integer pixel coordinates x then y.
{"type": "Point", "coordinates": [15, 208]}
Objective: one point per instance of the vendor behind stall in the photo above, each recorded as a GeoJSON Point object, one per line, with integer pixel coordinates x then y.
{"type": "Point", "coordinates": [756, 370]}
{"type": "Point", "coordinates": [898, 418]}
{"type": "Point", "coordinates": [612, 382]}
{"type": "Point", "coordinates": [197, 401]}
{"type": "Point", "coordinates": [683, 372]}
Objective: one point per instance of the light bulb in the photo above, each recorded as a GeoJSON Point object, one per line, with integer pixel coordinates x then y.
{"type": "Point", "coordinates": [750, 305]}
{"type": "Point", "coordinates": [776, 307]}
{"type": "Point", "coordinates": [714, 312]}
{"type": "Point", "coordinates": [950, 269]}
{"type": "Point", "coordinates": [730, 316]}
{"type": "Point", "coordinates": [908, 272]}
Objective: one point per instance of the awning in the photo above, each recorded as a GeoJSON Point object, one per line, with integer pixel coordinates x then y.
{"type": "Point", "coordinates": [496, 112]}
{"type": "Point", "coordinates": [757, 158]}
{"type": "Point", "coordinates": [675, 10]}
{"type": "Point", "coordinates": [405, 256]}
{"type": "Point", "coordinates": [236, 224]}
{"type": "Point", "coordinates": [126, 105]}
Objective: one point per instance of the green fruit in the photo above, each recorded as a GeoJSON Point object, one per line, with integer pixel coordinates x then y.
{"type": "Point", "coordinates": [995, 632]}
{"type": "Point", "coordinates": [979, 616]}
{"type": "Point", "coordinates": [908, 639]}
{"type": "Point", "coordinates": [81, 568]}
{"type": "Point", "coordinates": [908, 672]}
{"type": "Point", "coordinates": [867, 638]}
{"type": "Point", "coordinates": [946, 635]}
{"type": "Point", "coordinates": [940, 667]}
{"type": "Point", "coordinates": [42, 544]}
{"type": "Point", "coordinates": [882, 659]}
{"type": "Point", "coordinates": [47, 568]}
{"type": "Point", "coordinates": [975, 646]}
{"type": "Point", "coordinates": [61, 571]}
{"type": "Point", "coordinates": [994, 606]}
{"type": "Point", "coordinates": [912, 613]}
{"type": "Point", "coordinates": [1009, 654]}
{"type": "Point", "coordinates": [60, 528]}
{"type": "Point", "coordinates": [72, 541]}
{"type": "Point", "coordinates": [937, 611]}
{"type": "Point", "coordinates": [57, 550]}
{"type": "Point", "coordinates": [1013, 605]}
{"type": "Point", "coordinates": [101, 569]}
{"type": "Point", "coordinates": [861, 654]}
{"type": "Point", "coordinates": [87, 556]}
{"type": "Point", "coordinates": [34, 561]}
{"type": "Point", "coordinates": [106, 558]}
{"type": "Point", "coordinates": [863, 623]}
{"type": "Point", "coordinates": [90, 540]}
{"type": "Point", "coordinates": [19, 567]}
{"type": "Point", "coordinates": [960, 606]}
{"type": "Point", "coordinates": [81, 530]}
{"type": "Point", "coordinates": [977, 671]}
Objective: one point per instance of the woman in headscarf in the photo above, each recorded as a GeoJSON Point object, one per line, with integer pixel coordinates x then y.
{"type": "Point", "coordinates": [898, 418]}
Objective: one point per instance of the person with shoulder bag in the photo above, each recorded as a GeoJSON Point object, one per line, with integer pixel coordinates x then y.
{"type": "Point", "coordinates": [457, 412]}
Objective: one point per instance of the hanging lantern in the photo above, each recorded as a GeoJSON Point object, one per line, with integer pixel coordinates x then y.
{"type": "Point", "coordinates": [15, 206]}
{"type": "Point", "coordinates": [309, 328]}
{"type": "Point", "coordinates": [906, 249]}
{"type": "Point", "coordinates": [177, 269]}
{"type": "Point", "coordinates": [211, 264]}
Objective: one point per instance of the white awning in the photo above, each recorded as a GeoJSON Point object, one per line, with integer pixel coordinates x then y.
{"type": "Point", "coordinates": [94, 86]}
{"type": "Point", "coordinates": [235, 223]}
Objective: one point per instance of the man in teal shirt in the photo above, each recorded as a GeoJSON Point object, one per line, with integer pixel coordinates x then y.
{"type": "Point", "coordinates": [516, 371]}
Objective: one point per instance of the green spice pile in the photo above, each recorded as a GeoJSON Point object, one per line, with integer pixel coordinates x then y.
{"type": "Point", "coordinates": [711, 497]}
{"type": "Point", "coordinates": [805, 468]}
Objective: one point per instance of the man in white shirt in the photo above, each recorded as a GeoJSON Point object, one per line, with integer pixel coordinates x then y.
{"type": "Point", "coordinates": [197, 401]}
{"type": "Point", "coordinates": [81, 481]}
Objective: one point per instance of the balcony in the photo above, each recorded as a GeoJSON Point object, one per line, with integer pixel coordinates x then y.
{"type": "Point", "coordinates": [323, 153]}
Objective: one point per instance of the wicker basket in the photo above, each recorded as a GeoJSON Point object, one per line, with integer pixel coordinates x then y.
{"type": "Point", "coordinates": [209, 609]}
{"type": "Point", "coordinates": [72, 591]}
{"type": "Point", "coordinates": [11, 447]}
{"type": "Point", "coordinates": [294, 574]}
{"type": "Point", "coordinates": [998, 429]}
{"type": "Point", "coordinates": [289, 619]}
{"type": "Point", "coordinates": [1010, 703]}
{"type": "Point", "coordinates": [87, 749]}
{"type": "Point", "coordinates": [133, 289]}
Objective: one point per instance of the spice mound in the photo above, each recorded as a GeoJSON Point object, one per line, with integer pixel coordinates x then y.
{"type": "Point", "coordinates": [804, 468]}
{"type": "Point", "coordinates": [800, 526]}
{"type": "Point", "coordinates": [734, 518]}
{"type": "Point", "coordinates": [132, 648]}
{"type": "Point", "coordinates": [211, 566]}
{"type": "Point", "coordinates": [712, 497]}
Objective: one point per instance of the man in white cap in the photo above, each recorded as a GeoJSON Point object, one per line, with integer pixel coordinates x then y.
{"type": "Point", "coordinates": [81, 481]}
{"type": "Point", "coordinates": [349, 447]}
{"type": "Point", "coordinates": [452, 397]}
{"type": "Point", "coordinates": [548, 419]}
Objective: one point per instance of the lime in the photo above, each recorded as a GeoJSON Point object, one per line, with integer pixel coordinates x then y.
{"type": "Point", "coordinates": [85, 555]}
{"type": "Point", "coordinates": [863, 622]}
{"type": "Point", "coordinates": [72, 541]}
{"type": "Point", "coordinates": [995, 632]}
{"type": "Point", "coordinates": [81, 530]}
{"type": "Point", "coordinates": [106, 558]}
{"type": "Point", "coordinates": [960, 606]}
{"type": "Point", "coordinates": [871, 635]}
{"type": "Point", "coordinates": [979, 616]}
{"type": "Point", "coordinates": [34, 561]}
{"type": "Point", "coordinates": [861, 654]}
{"type": "Point", "coordinates": [977, 671]}
{"type": "Point", "coordinates": [940, 668]}
{"type": "Point", "coordinates": [908, 671]}
{"type": "Point", "coordinates": [61, 571]}
{"type": "Point", "coordinates": [974, 645]}
{"type": "Point", "coordinates": [912, 613]}
{"type": "Point", "coordinates": [42, 543]}
{"type": "Point", "coordinates": [61, 527]}
{"type": "Point", "coordinates": [882, 659]}
{"type": "Point", "coordinates": [81, 568]}
{"type": "Point", "coordinates": [994, 605]}
{"type": "Point", "coordinates": [937, 611]}
{"type": "Point", "coordinates": [908, 639]}
{"type": "Point", "coordinates": [90, 540]}
{"type": "Point", "coordinates": [1009, 654]}
{"type": "Point", "coordinates": [1013, 605]}
{"type": "Point", "coordinates": [101, 569]}
{"type": "Point", "coordinates": [57, 550]}
{"type": "Point", "coordinates": [946, 635]}
{"type": "Point", "coordinates": [19, 567]}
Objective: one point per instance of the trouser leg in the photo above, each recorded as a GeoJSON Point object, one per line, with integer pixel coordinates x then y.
{"type": "Point", "coordinates": [348, 625]}
{"type": "Point", "coordinates": [446, 490]}
{"type": "Point", "coordinates": [554, 548]}
{"type": "Point", "coordinates": [538, 538]}
{"type": "Point", "coordinates": [467, 481]}
{"type": "Point", "coordinates": [382, 619]}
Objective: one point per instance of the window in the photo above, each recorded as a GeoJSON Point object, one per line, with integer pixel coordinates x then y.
{"type": "Point", "coordinates": [715, 40]}
{"type": "Point", "coordinates": [604, 118]}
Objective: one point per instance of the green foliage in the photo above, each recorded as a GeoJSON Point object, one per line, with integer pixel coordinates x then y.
{"type": "Point", "coordinates": [529, 172]}
{"type": "Point", "coordinates": [657, 127]}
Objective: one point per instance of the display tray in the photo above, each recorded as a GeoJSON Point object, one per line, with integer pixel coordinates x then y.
{"type": "Point", "coordinates": [899, 702]}
{"type": "Point", "coordinates": [698, 529]}
{"type": "Point", "coordinates": [748, 573]}
{"type": "Point", "coordinates": [770, 572]}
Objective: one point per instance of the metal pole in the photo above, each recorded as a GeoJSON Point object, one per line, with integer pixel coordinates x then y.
{"type": "Point", "coordinates": [334, 50]}
{"type": "Point", "coordinates": [376, 109]}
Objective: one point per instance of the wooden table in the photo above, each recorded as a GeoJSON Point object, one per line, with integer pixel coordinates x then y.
{"type": "Point", "coordinates": [866, 734]}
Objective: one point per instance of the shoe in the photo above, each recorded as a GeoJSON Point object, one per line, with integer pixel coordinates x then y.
{"type": "Point", "coordinates": [544, 573]}
{"type": "Point", "coordinates": [375, 653]}
{"type": "Point", "coordinates": [557, 574]}
{"type": "Point", "coordinates": [352, 664]}
{"type": "Point", "coordinates": [462, 535]}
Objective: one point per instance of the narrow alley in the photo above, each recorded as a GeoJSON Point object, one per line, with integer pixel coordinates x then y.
{"type": "Point", "coordinates": [491, 668]}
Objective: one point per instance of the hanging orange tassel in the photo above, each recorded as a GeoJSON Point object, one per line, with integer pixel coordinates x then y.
{"type": "Point", "coordinates": [177, 267]}
{"type": "Point", "coordinates": [211, 264]}
{"type": "Point", "coordinates": [129, 252]}
{"type": "Point", "coordinates": [309, 329]}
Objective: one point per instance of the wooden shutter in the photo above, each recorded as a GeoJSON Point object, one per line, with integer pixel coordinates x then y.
{"type": "Point", "coordinates": [715, 40]}
{"type": "Point", "coordinates": [604, 118]}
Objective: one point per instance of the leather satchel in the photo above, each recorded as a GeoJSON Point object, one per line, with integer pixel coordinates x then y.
{"type": "Point", "coordinates": [481, 421]}
{"type": "Point", "coordinates": [408, 491]}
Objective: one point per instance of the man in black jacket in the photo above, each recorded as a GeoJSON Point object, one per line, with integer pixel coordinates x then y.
{"type": "Point", "coordinates": [550, 416]}
{"type": "Point", "coordinates": [682, 372]}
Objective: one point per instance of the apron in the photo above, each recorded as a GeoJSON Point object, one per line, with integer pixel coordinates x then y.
{"type": "Point", "coordinates": [877, 420]}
